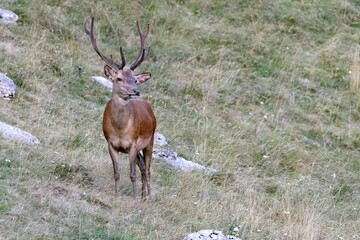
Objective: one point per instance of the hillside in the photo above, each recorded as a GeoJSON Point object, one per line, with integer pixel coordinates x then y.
{"type": "Point", "coordinates": [263, 91]}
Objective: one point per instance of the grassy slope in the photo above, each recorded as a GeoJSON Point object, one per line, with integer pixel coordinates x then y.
{"type": "Point", "coordinates": [257, 90]}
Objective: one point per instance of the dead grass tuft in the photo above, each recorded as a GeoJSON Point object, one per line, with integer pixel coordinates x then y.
{"type": "Point", "coordinates": [355, 70]}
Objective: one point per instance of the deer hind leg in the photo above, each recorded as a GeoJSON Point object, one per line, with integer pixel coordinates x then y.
{"type": "Point", "coordinates": [141, 164]}
{"type": "Point", "coordinates": [148, 156]}
{"type": "Point", "coordinates": [114, 157]}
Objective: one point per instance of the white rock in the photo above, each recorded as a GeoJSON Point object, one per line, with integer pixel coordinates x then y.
{"type": "Point", "coordinates": [209, 235]}
{"type": "Point", "coordinates": [7, 16]}
{"type": "Point", "coordinates": [160, 140]}
{"type": "Point", "coordinates": [103, 81]}
{"type": "Point", "coordinates": [14, 133]}
{"type": "Point", "coordinates": [7, 87]}
{"type": "Point", "coordinates": [174, 160]}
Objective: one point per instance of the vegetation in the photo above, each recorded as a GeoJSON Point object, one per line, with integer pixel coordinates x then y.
{"type": "Point", "coordinates": [259, 90]}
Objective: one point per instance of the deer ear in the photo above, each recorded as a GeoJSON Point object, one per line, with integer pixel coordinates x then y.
{"type": "Point", "coordinates": [142, 77]}
{"type": "Point", "coordinates": [109, 72]}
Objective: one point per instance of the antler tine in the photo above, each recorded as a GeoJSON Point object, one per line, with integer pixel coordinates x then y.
{"type": "Point", "coordinates": [122, 59]}
{"type": "Point", "coordinates": [141, 55]}
{"type": "Point", "coordinates": [85, 26]}
{"type": "Point", "coordinates": [108, 61]}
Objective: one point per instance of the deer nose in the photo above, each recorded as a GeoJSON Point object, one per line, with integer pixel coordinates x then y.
{"type": "Point", "coordinates": [137, 92]}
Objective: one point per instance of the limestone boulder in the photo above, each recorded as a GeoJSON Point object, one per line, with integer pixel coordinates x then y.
{"type": "Point", "coordinates": [209, 235]}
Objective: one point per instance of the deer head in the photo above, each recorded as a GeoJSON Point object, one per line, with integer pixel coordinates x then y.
{"type": "Point", "coordinates": [124, 80]}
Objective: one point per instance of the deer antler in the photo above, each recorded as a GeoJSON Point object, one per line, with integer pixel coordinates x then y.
{"type": "Point", "coordinates": [141, 55]}
{"type": "Point", "coordinates": [108, 61]}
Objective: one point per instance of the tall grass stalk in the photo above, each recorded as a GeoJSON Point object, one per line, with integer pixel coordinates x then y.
{"type": "Point", "coordinates": [355, 70]}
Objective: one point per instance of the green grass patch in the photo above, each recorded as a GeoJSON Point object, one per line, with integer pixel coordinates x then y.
{"type": "Point", "coordinates": [258, 90]}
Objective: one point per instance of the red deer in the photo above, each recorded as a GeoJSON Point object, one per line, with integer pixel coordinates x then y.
{"type": "Point", "coordinates": [128, 121]}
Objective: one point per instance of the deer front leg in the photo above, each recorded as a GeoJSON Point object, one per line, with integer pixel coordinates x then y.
{"type": "Point", "coordinates": [114, 157]}
{"type": "Point", "coordinates": [133, 157]}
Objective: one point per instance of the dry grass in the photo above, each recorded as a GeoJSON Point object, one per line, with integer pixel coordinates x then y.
{"type": "Point", "coordinates": [256, 89]}
{"type": "Point", "coordinates": [355, 70]}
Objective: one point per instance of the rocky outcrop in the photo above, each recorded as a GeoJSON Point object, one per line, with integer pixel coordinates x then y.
{"type": "Point", "coordinates": [209, 235]}
{"type": "Point", "coordinates": [7, 87]}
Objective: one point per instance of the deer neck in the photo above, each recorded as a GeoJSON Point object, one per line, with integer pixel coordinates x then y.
{"type": "Point", "coordinates": [118, 101]}
{"type": "Point", "coordinates": [119, 111]}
